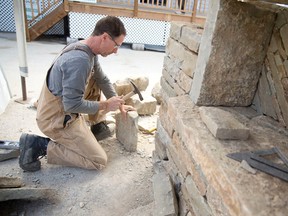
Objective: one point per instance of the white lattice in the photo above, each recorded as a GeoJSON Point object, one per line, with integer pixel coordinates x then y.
{"type": "Point", "coordinates": [7, 22]}
{"type": "Point", "coordinates": [142, 31]}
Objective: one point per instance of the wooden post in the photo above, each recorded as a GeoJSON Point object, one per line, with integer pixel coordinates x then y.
{"type": "Point", "coordinates": [135, 8]}
{"type": "Point", "coordinates": [193, 18]}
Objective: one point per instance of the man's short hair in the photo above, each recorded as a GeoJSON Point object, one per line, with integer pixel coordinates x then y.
{"type": "Point", "coordinates": [111, 25]}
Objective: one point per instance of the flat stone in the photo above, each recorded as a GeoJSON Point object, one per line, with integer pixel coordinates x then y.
{"type": "Point", "coordinates": [127, 130]}
{"type": "Point", "coordinates": [123, 87]}
{"type": "Point", "coordinates": [25, 193]}
{"type": "Point", "coordinates": [6, 154]}
{"type": "Point", "coordinates": [164, 196]}
{"type": "Point", "coordinates": [225, 73]}
{"type": "Point", "coordinates": [222, 124]}
{"type": "Point", "coordinates": [10, 182]}
{"type": "Point", "coordinates": [145, 107]}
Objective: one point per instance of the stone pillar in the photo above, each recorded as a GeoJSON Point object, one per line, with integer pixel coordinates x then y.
{"type": "Point", "coordinates": [233, 46]}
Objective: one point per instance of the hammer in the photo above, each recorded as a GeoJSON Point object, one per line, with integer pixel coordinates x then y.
{"type": "Point", "coordinates": [135, 91]}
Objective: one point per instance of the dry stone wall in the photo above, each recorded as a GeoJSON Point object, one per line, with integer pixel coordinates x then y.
{"type": "Point", "coordinates": [209, 80]}
{"type": "Point", "coordinates": [271, 97]}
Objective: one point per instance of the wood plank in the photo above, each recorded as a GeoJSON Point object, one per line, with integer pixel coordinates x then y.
{"type": "Point", "coordinates": [129, 12]}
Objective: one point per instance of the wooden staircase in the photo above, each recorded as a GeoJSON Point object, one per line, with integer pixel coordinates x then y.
{"type": "Point", "coordinates": [46, 23]}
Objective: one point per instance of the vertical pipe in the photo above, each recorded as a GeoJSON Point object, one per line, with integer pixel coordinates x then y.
{"type": "Point", "coordinates": [21, 43]}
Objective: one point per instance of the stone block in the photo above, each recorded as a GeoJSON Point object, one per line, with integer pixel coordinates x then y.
{"type": "Point", "coordinates": [222, 124]}
{"type": "Point", "coordinates": [225, 73]}
{"type": "Point", "coordinates": [184, 81]}
{"type": "Point", "coordinates": [9, 182]}
{"type": "Point", "coordinates": [284, 37]}
{"type": "Point", "coordinates": [164, 196]}
{"type": "Point", "coordinates": [283, 104]}
{"type": "Point", "coordinates": [191, 36]}
{"type": "Point", "coordinates": [197, 201]}
{"type": "Point", "coordinates": [168, 89]}
{"type": "Point", "coordinates": [175, 30]}
{"type": "Point", "coordinates": [265, 97]}
{"type": "Point", "coordinates": [156, 92]}
{"type": "Point", "coordinates": [123, 87]}
{"type": "Point", "coordinates": [6, 154]}
{"type": "Point", "coordinates": [145, 107]}
{"type": "Point", "coordinates": [168, 78]}
{"type": "Point", "coordinates": [162, 141]}
{"type": "Point", "coordinates": [187, 58]}
{"type": "Point", "coordinates": [26, 193]}
{"type": "Point", "coordinates": [127, 130]}
{"type": "Point", "coordinates": [179, 91]}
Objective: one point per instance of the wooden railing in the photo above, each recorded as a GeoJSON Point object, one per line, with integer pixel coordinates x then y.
{"type": "Point", "coordinates": [162, 10]}
{"type": "Point", "coordinates": [37, 9]}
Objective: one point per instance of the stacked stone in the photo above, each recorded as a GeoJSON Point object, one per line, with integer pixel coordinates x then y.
{"type": "Point", "coordinates": [227, 71]}
{"type": "Point", "coordinates": [271, 98]}
{"type": "Point", "coordinates": [177, 76]}
{"type": "Point", "coordinates": [180, 60]}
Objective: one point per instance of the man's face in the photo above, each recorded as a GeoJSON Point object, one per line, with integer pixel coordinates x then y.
{"type": "Point", "coordinates": [110, 45]}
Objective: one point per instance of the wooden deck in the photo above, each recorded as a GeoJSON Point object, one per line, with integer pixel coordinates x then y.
{"type": "Point", "coordinates": [43, 14]}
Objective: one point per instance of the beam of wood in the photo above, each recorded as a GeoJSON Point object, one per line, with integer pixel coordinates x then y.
{"type": "Point", "coordinates": [128, 12]}
{"type": "Point", "coordinates": [46, 23]}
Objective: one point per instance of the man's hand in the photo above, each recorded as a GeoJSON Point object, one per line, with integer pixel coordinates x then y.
{"type": "Point", "coordinates": [111, 104]}
{"type": "Point", "coordinates": [124, 109]}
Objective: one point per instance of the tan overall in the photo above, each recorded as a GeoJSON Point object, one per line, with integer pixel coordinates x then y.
{"type": "Point", "coordinates": [73, 143]}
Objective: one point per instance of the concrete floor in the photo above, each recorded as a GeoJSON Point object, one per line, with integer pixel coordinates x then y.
{"type": "Point", "coordinates": [40, 54]}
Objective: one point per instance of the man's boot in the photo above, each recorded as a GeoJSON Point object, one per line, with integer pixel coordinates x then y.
{"type": "Point", "coordinates": [31, 148]}
{"type": "Point", "coordinates": [102, 130]}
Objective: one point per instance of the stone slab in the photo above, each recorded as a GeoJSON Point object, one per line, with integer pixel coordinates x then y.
{"type": "Point", "coordinates": [25, 193]}
{"type": "Point", "coordinates": [231, 190]}
{"type": "Point", "coordinates": [127, 130]}
{"type": "Point", "coordinates": [6, 154]}
{"type": "Point", "coordinates": [10, 182]}
{"type": "Point", "coordinates": [222, 124]}
{"type": "Point", "coordinates": [164, 196]}
{"type": "Point", "coordinates": [225, 72]}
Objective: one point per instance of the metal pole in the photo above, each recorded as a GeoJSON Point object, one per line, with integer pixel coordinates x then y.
{"type": "Point", "coordinates": [21, 43]}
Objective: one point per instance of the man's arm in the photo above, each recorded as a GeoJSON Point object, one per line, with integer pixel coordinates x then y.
{"type": "Point", "coordinates": [103, 81]}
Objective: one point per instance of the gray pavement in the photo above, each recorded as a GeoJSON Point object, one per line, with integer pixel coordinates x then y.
{"type": "Point", "coordinates": [124, 187]}
{"type": "Point", "coordinates": [40, 54]}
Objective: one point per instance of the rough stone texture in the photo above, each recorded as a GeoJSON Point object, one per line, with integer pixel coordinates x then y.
{"type": "Point", "coordinates": [145, 107]}
{"type": "Point", "coordinates": [272, 94]}
{"type": "Point", "coordinates": [10, 182]}
{"type": "Point", "coordinates": [265, 97]}
{"type": "Point", "coordinates": [127, 130]}
{"type": "Point", "coordinates": [222, 124]}
{"type": "Point", "coordinates": [164, 196]}
{"type": "Point", "coordinates": [25, 193]}
{"type": "Point", "coordinates": [228, 191]}
{"type": "Point", "coordinates": [197, 201]}
{"type": "Point", "coordinates": [191, 36]}
{"type": "Point", "coordinates": [156, 92]}
{"type": "Point", "coordinates": [6, 154]}
{"type": "Point", "coordinates": [123, 87]}
{"type": "Point", "coordinates": [186, 57]}
{"type": "Point", "coordinates": [227, 71]}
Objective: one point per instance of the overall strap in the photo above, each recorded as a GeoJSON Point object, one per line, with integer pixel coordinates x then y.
{"type": "Point", "coordinates": [73, 46]}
